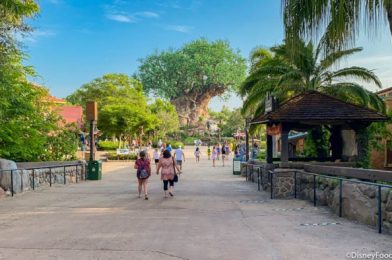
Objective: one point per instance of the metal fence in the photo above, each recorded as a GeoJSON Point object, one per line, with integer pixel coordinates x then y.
{"type": "Point", "coordinates": [297, 182]}
{"type": "Point", "coordinates": [80, 174]}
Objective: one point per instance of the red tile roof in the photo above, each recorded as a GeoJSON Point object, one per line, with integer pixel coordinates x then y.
{"type": "Point", "coordinates": [72, 114]}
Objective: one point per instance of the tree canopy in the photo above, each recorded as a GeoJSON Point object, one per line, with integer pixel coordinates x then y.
{"type": "Point", "coordinates": [196, 67]}
{"type": "Point", "coordinates": [167, 118]}
{"type": "Point", "coordinates": [122, 106]}
{"type": "Point", "coordinates": [190, 76]}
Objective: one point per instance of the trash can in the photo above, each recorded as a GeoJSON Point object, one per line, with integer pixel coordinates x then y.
{"type": "Point", "coordinates": [94, 170]}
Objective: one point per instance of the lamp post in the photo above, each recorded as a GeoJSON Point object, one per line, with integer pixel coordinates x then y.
{"type": "Point", "coordinates": [247, 126]}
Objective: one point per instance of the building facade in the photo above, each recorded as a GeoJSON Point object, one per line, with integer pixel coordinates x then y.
{"type": "Point", "coordinates": [383, 159]}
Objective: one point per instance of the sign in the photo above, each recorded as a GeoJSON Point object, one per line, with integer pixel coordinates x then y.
{"type": "Point", "coordinates": [274, 129]}
{"type": "Point", "coordinates": [269, 103]}
{"type": "Point", "coordinates": [122, 151]}
{"type": "Point", "coordinates": [236, 166]}
{"type": "Point", "coordinates": [91, 111]}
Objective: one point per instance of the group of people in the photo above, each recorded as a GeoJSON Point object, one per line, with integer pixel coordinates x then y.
{"type": "Point", "coordinates": [218, 152]}
{"type": "Point", "coordinates": [168, 165]}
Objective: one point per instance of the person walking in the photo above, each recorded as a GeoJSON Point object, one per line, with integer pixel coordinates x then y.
{"type": "Point", "coordinates": [218, 152]}
{"type": "Point", "coordinates": [223, 155]}
{"type": "Point", "coordinates": [214, 155]}
{"type": "Point", "coordinates": [156, 156]}
{"type": "Point", "coordinates": [179, 156]}
{"type": "Point", "coordinates": [168, 168]}
{"type": "Point", "coordinates": [209, 152]}
{"type": "Point", "coordinates": [169, 148]}
{"type": "Point", "coordinates": [143, 172]}
{"type": "Point", "coordinates": [197, 154]}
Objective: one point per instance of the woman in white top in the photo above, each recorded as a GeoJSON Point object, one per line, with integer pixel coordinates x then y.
{"type": "Point", "coordinates": [156, 156]}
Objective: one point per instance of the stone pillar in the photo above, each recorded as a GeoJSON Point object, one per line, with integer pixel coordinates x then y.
{"type": "Point", "coordinates": [284, 150]}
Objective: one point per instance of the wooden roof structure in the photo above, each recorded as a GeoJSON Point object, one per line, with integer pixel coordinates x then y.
{"type": "Point", "coordinates": [315, 108]}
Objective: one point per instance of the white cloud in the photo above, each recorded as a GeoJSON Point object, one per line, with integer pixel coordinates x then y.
{"type": "Point", "coordinates": [179, 28]}
{"type": "Point", "coordinates": [33, 37]}
{"type": "Point", "coordinates": [147, 14]}
{"type": "Point", "coordinates": [121, 18]}
{"type": "Point", "coordinates": [380, 64]}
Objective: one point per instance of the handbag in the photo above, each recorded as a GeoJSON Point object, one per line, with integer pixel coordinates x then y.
{"type": "Point", "coordinates": [175, 179]}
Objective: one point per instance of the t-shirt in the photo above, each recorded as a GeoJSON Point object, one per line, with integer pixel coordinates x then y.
{"type": "Point", "coordinates": [156, 155]}
{"type": "Point", "coordinates": [179, 155]}
{"type": "Point", "coordinates": [169, 148]}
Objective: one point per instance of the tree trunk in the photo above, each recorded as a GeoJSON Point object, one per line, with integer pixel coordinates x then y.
{"type": "Point", "coordinates": [194, 105]}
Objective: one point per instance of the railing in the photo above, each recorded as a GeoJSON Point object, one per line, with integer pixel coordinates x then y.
{"type": "Point", "coordinates": [296, 172]}
{"type": "Point", "coordinates": [80, 171]}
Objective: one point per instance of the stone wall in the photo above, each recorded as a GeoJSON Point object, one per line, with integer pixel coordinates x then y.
{"type": "Point", "coordinates": [359, 201]}
{"type": "Point", "coordinates": [24, 180]}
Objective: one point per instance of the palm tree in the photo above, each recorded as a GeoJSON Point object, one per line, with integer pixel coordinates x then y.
{"type": "Point", "coordinates": [284, 73]}
{"type": "Point", "coordinates": [340, 20]}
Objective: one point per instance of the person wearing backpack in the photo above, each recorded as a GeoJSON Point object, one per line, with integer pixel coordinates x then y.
{"type": "Point", "coordinates": [143, 173]}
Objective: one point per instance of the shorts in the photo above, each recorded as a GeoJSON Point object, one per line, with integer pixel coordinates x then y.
{"type": "Point", "coordinates": [179, 162]}
{"type": "Point", "coordinates": [156, 160]}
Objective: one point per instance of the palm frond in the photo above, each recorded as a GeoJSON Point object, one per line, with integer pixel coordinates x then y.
{"type": "Point", "coordinates": [355, 93]}
{"type": "Point", "coordinates": [359, 73]}
{"type": "Point", "coordinates": [335, 56]}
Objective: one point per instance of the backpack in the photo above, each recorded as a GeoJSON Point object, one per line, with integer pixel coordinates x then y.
{"type": "Point", "coordinates": [142, 173]}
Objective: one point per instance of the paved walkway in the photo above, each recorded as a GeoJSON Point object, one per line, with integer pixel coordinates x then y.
{"type": "Point", "coordinates": [214, 215]}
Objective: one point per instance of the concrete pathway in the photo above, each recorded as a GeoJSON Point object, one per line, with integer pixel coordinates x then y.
{"type": "Point", "coordinates": [214, 215]}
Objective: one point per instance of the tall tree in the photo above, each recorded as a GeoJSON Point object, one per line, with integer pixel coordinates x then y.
{"type": "Point", "coordinates": [122, 106]}
{"type": "Point", "coordinates": [167, 117]}
{"type": "Point", "coordinates": [190, 76]}
{"type": "Point", "coordinates": [340, 20]}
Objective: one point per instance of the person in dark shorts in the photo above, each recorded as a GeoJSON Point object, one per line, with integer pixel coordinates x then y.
{"type": "Point", "coordinates": [179, 156]}
{"type": "Point", "coordinates": [156, 156]}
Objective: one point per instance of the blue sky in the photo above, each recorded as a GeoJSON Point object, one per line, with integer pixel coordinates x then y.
{"type": "Point", "coordinates": [76, 41]}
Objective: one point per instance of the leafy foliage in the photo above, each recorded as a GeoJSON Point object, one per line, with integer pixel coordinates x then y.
{"type": "Point", "coordinates": [122, 106]}
{"type": "Point", "coordinates": [107, 145]}
{"type": "Point", "coordinates": [197, 67]}
{"type": "Point", "coordinates": [339, 20]}
{"type": "Point", "coordinates": [30, 130]}
{"type": "Point", "coordinates": [285, 72]}
{"type": "Point", "coordinates": [167, 117]}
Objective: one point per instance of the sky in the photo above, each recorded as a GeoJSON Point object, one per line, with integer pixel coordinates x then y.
{"type": "Point", "coordinates": [75, 41]}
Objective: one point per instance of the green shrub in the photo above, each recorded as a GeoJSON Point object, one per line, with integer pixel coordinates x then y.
{"type": "Point", "coordinates": [189, 140]}
{"type": "Point", "coordinates": [115, 156]}
{"type": "Point", "coordinates": [262, 155]}
{"type": "Point", "coordinates": [176, 144]}
{"type": "Point", "coordinates": [107, 145]}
